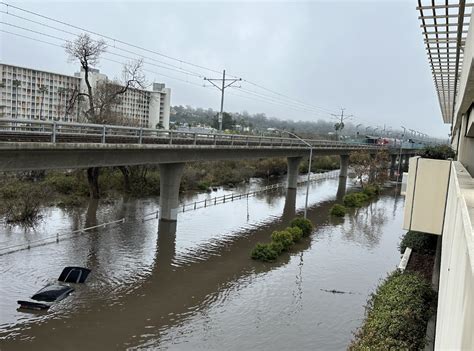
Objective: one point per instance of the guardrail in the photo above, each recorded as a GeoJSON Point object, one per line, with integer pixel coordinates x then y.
{"type": "Point", "coordinates": [16, 130]}
{"type": "Point", "coordinates": [214, 201]}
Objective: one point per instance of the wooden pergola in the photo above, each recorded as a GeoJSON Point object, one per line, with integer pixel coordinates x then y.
{"type": "Point", "coordinates": [445, 25]}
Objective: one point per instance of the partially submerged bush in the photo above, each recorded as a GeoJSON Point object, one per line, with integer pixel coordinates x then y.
{"type": "Point", "coordinates": [304, 224]}
{"type": "Point", "coordinates": [296, 233]}
{"type": "Point", "coordinates": [264, 252]}
{"type": "Point", "coordinates": [283, 237]}
{"type": "Point", "coordinates": [438, 152]}
{"type": "Point", "coordinates": [355, 199]}
{"type": "Point", "coordinates": [422, 243]}
{"type": "Point", "coordinates": [397, 314]}
{"type": "Point", "coordinates": [338, 210]}
{"type": "Point", "coordinates": [371, 190]}
{"type": "Point", "coordinates": [22, 205]}
{"type": "Point", "coordinates": [282, 240]}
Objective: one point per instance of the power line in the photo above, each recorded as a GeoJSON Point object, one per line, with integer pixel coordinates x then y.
{"type": "Point", "coordinates": [286, 96]}
{"type": "Point", "coordinates": [115, 47]}
{"type": "Point", "coordinates": [107, 50]}
{"type": "Point", "coordinates": [300, 106]}
{"type": "Point", "coordinates": [147, 50]}
{"type": "Point", "coordinates": [259, 99]}
{"type": "Point", "coordinates": [107, 37]}
{"type": "Point", "coordinates": [104, 58]}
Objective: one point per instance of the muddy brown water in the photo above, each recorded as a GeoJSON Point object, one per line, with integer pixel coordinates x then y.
{"type": "Point", "coordinates": [192, 286]}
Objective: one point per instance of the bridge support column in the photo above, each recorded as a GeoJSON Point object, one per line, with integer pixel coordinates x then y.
{"type": "Point", "coordinates": [344, 162]}
{"type": "Point", "coordinates": [293, 168]}
{"type": "Point", "coordinates": [170, 178]}
{"type": "Point", "coordinates": [393, 161]}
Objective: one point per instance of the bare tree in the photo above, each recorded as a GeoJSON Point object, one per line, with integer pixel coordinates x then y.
{"type": "Point", "coordinates": [105, 96]}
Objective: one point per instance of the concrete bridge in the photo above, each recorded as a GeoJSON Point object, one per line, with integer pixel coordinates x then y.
{"type": "Point", "coordinates": [40, 145]}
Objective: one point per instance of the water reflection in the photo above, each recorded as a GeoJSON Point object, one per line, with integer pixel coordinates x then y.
{"type": "Point", "coordinates": [341, 188]}
{"type": "Point", "coordinates": [289, 210]}
{"type": "Point", "coordinates": [166, 248]}
{"type": "Point", "coordinates": [366, 223]}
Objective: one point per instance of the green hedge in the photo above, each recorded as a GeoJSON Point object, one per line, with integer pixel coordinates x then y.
{"type": "Point", "coordinates": [264, 252]}
{"type": "Point", "coordinates": [439, 152]}
{"type": "Point", "coordinates": [282, 240]}
{"type": "Point", "coordinates": [355, 199]}
{"type": "Point", "coordinates": [304, 224]}
{"type": "Point", "coordinates": [371, 190]}
{"type": "Point", "coordinates": [419, 242]}
{"type": "Point", "coordinates": [283, 237]}
{"type": "Point", "coordinates": [397, 314]}
{"type": "Point", "coordinates": [296, 233]}
{"type": "Point", "coordinates": [338, 210]}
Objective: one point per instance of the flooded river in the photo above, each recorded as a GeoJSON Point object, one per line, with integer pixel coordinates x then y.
{"type": "Point", "coordinates": [192, 285]}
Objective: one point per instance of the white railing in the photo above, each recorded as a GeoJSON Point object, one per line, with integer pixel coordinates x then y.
{"type": "Point", "coordinates": [61, 132]}
{"type": "Point", "coordinates": [455, 316]}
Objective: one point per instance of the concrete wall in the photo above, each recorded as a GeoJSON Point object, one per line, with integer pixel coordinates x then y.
{"type": "Point", "coordinates": [455, 316]}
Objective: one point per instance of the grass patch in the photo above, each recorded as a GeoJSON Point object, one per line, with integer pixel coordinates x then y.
{"type": "Point", "coordinates": [422, 243]}
{"type": "Point", "coordinates": [396, 314]}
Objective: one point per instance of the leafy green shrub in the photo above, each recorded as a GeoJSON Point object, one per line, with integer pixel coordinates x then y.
{"type": "Point", "coordinates": [203, 185]}
{"type": "Point", "coordinates": [419, 242]}
{"type": "Point", "coordinates": [439, 152]}
{"type": "Point", "coordinates": [296, 233]}
{"type": "Point", "coordinates": [25, 207]}
{"type": "Point", "coordinates": [277, 246]}
{"type": "Point", "coordinates": [264, 252]}
{"type": "Point", "coordinates": [283, 237]}
{"type": "Point", "coordinates": [397, 314]}
{"type": "Point", "coordinates": [337, 211]}
{"type": "Point", "coordinates": [371, 190]}
{"type": "Point", "coordinates": [304, 224]}
{"type": "Point", "coordinates": [355, 199]}
{"type": "Point", "coordinates": [67, 184]}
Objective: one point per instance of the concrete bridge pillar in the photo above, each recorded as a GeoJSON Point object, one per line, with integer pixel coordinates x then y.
{"type": "Point", "coordinates": [293, 168]}
{"type": "Point", "coordinates": [170, 178]}
{"type": "Point", "coordinates": [393, 161]}
{"type": "Point", "coordinates": [344, 162]}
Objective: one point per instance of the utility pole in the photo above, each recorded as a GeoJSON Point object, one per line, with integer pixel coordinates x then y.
{"type": "Point", "coordinates": [222, 89]}
{"type": "Point", "coordinates": [340, 124]}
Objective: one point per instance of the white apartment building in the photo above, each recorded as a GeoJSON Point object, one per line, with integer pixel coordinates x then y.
{"type": "Point", "coordinates": [32, 94]}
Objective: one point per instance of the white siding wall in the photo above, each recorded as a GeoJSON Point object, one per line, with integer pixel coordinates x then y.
{"type": "Point", "coordinates": [455, 317]}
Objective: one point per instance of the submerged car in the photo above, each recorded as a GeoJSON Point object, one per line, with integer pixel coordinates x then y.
{"type": "Point", "coordinates": [51, 293]}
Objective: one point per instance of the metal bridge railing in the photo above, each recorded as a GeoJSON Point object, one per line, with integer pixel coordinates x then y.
{"type": "Point", "coordinates": [16, 130]}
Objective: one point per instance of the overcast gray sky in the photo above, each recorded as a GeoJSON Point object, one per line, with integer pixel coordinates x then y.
{"type": "Point", "coordinates": [366, 56]}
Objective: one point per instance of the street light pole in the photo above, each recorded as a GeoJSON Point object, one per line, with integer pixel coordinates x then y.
{"type": "Point", "coordinates": [309, 166]}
